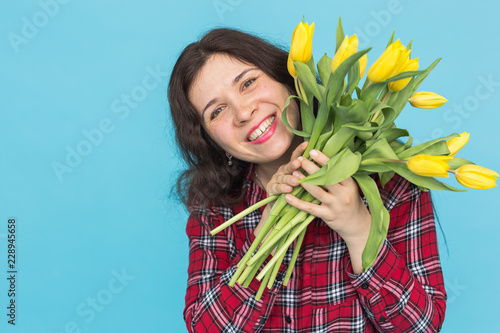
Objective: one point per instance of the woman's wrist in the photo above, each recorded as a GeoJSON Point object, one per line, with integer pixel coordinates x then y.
{"type": "Point", "coordinates": [357, 243]}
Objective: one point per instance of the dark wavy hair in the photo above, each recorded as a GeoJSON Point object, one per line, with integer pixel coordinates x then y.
{"type": "Point", "coordinates": [209, 180]}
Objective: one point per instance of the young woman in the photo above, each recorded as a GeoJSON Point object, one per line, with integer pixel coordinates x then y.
{"type": "Point", "coordinates": [226, 95]}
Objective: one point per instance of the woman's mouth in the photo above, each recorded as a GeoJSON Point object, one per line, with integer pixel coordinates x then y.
{"type": "Point", "coordinates": [259, 134]}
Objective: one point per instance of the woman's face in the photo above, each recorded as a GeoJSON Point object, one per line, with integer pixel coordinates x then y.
{"type": "Point", "coordinates": [241, 107]}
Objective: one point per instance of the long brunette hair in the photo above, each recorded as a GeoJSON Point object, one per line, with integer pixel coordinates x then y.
{"type": "Point", "coordinates": [209, 180]}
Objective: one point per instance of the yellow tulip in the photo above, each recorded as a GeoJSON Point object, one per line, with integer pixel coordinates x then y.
{"type": "Point", "coordinates": [301, 47]}
{"type": "Point", "coordinates": [363, 61]}
{"type": "Point", "coordinates": [457, 143]}
{"type": "Point", "coordinates": [411, 65]}
{"type": "Point", "coordinates": [429, 165]}
{"type": "Point", "coordinates": [347, 48]}
{"type": "Point", "coordinates": [426, 100]}
{"type": "Point", "coordinates": [389, 63]}
{"type": "Point", "coordinates": [475, 176]}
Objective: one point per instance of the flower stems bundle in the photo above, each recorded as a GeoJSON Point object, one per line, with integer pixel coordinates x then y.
{"type": "Point", "coordinates": [355, 127]}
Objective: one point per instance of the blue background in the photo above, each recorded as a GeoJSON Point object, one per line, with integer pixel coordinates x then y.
{"type": "Point", "coordinates": [83, 69]}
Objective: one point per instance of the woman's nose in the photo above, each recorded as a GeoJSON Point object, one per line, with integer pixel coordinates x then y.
{"type": "Point", "coordinates": [243, 112]}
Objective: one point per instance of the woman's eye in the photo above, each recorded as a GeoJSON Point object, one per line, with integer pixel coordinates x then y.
{"type": "Point", "coordinates": [216, 112]}
{"type": "Point", "coordinates": [248, 83]}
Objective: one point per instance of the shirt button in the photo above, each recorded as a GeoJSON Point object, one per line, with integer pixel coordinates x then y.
{"type": "Point", "coordinates": [382, 319]}
{"type": "Point", "coordinates": [288, 319]}
{"type": "Point", "coordinates": [365, 285]}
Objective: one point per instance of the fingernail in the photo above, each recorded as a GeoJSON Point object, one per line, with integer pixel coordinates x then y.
{"type": "Point", "coordinates": [288, 188]}
{"type": "Point", "coordinates": [295, 173]}
{"type": "Point", "coordinates": [300, 158]}
{"type": "Point", "coordinates": [288, 198]}
{"type": "Point", "coordinates": [313, 153]}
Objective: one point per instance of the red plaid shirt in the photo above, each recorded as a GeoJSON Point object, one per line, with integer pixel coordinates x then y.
{"type": "Point", "coordinates": [402, 292]}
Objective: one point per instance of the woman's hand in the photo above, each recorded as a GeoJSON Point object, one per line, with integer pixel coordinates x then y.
{"type": "Point", "coordinates": [341, 208]}
{"type": "Point", "coordinates": [283, 180]}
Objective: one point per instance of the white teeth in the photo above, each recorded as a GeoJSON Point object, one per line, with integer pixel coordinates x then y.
{"type": "Point", "coordinates": [264, 126]}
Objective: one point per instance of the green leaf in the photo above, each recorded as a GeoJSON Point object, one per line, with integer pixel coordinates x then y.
{"type": "Point", "coordinates": [385, 177]}
{"type": "Point", "coordinates": [388, 118]}
{"type": "Point", "coordinates": [391, 40]}
{"type": "Point", "coordinates": [361, 128]}
{"type": "Point", "coordinates": [408, 47]}
{"type": "Point", "coordinates": [353, 78]}
{"type": "Point", "coordinates": [324, 68]}
{"type": "Point", "coordinates": [311, 66]}
{"type": "Point", "coordinates": [457, 162]}
{"type": "Point", "coordinates": [380, 149]}
{"type": "Point", "coordinates": [336, 80]}
{"type": "Point", "coordinates": [340, 35]}
{"type": "Point", "coordinates": [392, 134]}
{"type": "Point", "coordinates": [356, 113]}
{"type": "Point", "coordinates": [427, 182]}
{"type": "Point", "coordinates": [338, 141]}
{"type": "Point", "coordinates": [306, 116]}
{"type": "Point", "coordinates": [371, 92]}
{"type": "Point", "coordinates": [284, 118]}
{"type": "Point", "coordinates": [402, 148]}
{"type": "Point", "coordinates": [308, 79]}
{"type": "Point", "coordinates": [380, 219]}
{"type": "Point", "coordinates": [358, 92]}
{"type": "Point", "coordinates": [338, 168]}
{"type": "Point", "coordinates": [439, 148]}
{"type": "Point", "coordinates": [421, 147]}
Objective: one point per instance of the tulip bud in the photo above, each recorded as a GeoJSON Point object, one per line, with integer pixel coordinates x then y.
{"type": "Point", "coordinates": [457, 143]}
{"type": "Point", "coordinates": [389, 63]}
{"type": "Point", "coordinates": [348, 47]}
{"type": "Point", "coordinates": [363, 61]}
{"type": "Point", "coordinates": [426, 100]}
{"type": "Point", "coordinates": [411, 65]}
{"type": "Point", "coordinates": [301, 47]}
{"type": "Point", "coordinates": [429, 165]}
{"type": "Point", "coordinates": [475, 176]}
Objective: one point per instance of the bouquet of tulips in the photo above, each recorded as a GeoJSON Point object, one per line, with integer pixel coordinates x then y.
{"type": "Point", "coordinates": [359, 135]}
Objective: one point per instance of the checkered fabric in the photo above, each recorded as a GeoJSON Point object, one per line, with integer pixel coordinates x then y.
{"type": "Point", "coordinates": [402, 292]}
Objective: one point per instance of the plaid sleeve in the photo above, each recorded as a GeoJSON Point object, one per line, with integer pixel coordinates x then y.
{"type": "Point", "coordinates": [212, 305]}
{"type": "Point", "coordinates": [404, 291]}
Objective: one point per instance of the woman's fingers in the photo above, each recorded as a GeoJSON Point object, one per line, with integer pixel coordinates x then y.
{"type": "Point", "coordinates": [283, 181]}
{"type": "Point", "coordinates": [299, 150]}
{"type": "Point", "coordinates": [319, 157]}
{"type": "Point", "coordinates": [308, 207]}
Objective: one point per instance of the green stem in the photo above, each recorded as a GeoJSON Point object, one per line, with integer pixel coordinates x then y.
{"type": "Point", "coordinates": [294, 257]}
{"type": "Point", "coordinates": [289, 241]}
{"type": "Point", "coordinates": [278, 263]}
{"type": "Point", "coordinates": [243, 214]}
{"type": "Point", "coordinates": [247, 276]}
{"type": "Point", "coordinates": [262, 287]}
{"type": "Point", "coordinates": [271, 241]}
{"type": "Point", "coordinates": [375, 116]}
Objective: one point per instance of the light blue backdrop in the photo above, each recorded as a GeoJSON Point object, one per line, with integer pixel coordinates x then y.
{"type": "Point", "coordinates": [88, 157]}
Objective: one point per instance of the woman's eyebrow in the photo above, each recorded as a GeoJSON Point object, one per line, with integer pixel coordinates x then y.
{"type": "Point", "coordinates": [238, 77]}
{"type": "Point", "coordinates": [235, 81]}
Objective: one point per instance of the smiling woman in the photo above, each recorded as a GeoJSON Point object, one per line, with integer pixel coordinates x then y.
{"type": "Point", "coordinates": [244, 118]}
{"type": "Point", "coordinates": [223, 92]}
{"type": "Point", "coordinates": [227, 93]}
